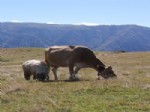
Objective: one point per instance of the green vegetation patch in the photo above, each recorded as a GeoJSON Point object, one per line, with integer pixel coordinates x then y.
{"type": "Point", "coordinates": [128, 93]}
{"type": "Point", "coordinates": [85, 99]}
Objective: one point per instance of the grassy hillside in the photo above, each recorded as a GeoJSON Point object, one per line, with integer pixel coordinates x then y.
{"type": "Point", "coordinates": [130, 92]}
{"type": "Point", "coordinates": [101, 38]}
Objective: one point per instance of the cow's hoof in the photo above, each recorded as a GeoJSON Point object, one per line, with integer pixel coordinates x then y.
{"type": "Point", "coordinates": [74, 79]}
{"type": "Point", "coordinates": [98, 78]}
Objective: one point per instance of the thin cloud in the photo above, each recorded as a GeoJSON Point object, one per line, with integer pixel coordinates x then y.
{"type": "Point", "coordinates": [15, 21]}
{"type": "Point", "coordinates": [50, 22]}
{"type": "Point", "coordinates": [83, 23]}
{"type": "Point", "coordinates": [87, 24]}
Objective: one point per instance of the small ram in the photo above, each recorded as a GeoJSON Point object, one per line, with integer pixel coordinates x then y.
{"type": "Point", "coordinates": [39, 70]}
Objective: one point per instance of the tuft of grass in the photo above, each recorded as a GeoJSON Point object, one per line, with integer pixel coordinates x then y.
{"type": "Point", "coordinates": [14, 56]}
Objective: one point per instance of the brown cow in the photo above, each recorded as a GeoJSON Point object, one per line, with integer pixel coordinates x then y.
{"type": "Point", "coordinates": [75, 57]}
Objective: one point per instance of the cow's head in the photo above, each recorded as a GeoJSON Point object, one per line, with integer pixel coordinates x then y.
{"type": "Point", "coordinates": [107, 72]}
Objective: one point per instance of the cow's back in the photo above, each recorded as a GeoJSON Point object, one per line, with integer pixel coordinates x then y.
{"type": "Point", "coordinates": [82, 54]}
{"type": "Point", "coordinates": [58, 55]}
{"type": "Point", "coordinates": [65, 55]}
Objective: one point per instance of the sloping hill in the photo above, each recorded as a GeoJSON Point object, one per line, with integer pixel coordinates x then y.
{"type": "Point", "coordinates": [102, 37]}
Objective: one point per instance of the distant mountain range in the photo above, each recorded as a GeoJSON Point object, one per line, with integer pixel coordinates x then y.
{"type": "Point", "coordinates": [100, 38]}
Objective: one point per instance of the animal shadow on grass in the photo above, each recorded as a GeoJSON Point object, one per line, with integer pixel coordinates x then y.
{"type": "Point", "coordinates": [67, 80]}
{"type": "Point", "coordinates": [74, 81]}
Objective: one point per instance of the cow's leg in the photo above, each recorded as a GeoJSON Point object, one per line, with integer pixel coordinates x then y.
{"type": "Point", "coordinates": [54, 69]}
{"type": "Point", "coordinates": [76, 70]}
{"type": "Point", "coordinates": [73, 72]}
{"type": "Point", "coordinates": [72, 75]}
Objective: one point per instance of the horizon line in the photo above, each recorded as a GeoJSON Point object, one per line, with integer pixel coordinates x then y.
{"type": "Point", "coordinates": [75, 24]}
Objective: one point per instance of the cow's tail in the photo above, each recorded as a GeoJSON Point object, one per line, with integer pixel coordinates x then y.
{"type": "Point", "coordinates": [46, 56]}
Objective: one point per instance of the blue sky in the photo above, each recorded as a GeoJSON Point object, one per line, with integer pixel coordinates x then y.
{"type": "Point", "coordinates": [90, 12]}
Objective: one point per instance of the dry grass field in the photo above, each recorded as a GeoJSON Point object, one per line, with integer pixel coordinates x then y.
{"type": "Point", "coordinates": [130, 92]}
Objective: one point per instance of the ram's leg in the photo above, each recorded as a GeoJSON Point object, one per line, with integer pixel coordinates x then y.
{"type": "Point", "coordinates": [26, 75]}
{"type": "Point", "coordinates": [34, 77]}
{"type": "Point", "coordinates": [47, 77]}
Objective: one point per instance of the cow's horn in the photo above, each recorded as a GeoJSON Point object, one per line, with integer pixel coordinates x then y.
{"type": "Point", "coordinates": [98, 66]}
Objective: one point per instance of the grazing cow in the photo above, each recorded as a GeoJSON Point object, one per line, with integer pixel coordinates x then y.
{"type": "Point", "coordinates": [39, 70]}
{"type": "Point", "coordinates": [75, 57]}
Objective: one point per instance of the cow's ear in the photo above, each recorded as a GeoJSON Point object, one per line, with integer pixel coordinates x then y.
{"type": "Point", "coordinates": [109, 67]}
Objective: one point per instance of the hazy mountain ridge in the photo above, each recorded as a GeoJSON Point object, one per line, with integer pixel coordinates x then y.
{"type": "Point", "coordinates": [102, 37]}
